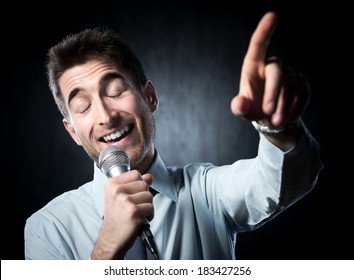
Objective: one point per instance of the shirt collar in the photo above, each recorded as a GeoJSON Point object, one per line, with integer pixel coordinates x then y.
{"type": "Point", "coordinates": [163, 183]}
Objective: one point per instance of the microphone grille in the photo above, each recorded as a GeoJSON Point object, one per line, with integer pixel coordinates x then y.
{"type": "Point", "coordinates": [112, 156]}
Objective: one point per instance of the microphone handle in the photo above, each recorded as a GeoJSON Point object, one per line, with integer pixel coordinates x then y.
{"type": "Point", "coordinates": [148, 238]}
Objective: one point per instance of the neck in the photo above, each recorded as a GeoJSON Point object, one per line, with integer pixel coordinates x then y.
{"type": "Point", "coordinates": [147, 161]}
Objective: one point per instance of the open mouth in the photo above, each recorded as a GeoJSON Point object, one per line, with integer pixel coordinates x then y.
{"type": "Point", "coordinates": [118, 135]}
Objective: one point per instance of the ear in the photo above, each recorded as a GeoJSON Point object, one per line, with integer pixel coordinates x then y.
{"type": "Point", "coordinates": [151, 96]}
{"type": "Point", "coordinates": [69, 128]}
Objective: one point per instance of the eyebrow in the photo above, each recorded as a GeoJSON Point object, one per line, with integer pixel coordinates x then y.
{"type": "Point", "coordinates": [105, 78]}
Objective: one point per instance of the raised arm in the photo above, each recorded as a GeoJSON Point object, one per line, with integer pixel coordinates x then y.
{"type": "Point", "coordinates": [273, 96]}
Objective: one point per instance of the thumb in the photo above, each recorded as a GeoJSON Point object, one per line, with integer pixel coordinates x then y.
{"type": "Point", "coordinates": [148, 178]}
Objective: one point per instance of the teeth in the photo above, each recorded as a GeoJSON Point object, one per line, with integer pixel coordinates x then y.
{"type": "Point", "coordinates": [116, 135]}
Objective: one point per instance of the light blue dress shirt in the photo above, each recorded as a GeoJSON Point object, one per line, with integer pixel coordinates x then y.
{"type": "Point", "coordinates": [199, 208]}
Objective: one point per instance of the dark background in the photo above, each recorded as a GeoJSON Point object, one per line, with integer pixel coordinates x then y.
{"type": "Point", "coordinates": [192, 51]}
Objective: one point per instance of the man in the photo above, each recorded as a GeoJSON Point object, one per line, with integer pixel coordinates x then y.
{"type": "Point", "coordinates": [105, 98]}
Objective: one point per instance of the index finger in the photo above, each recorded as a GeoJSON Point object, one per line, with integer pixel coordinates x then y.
{"type": "Point", "coordinates": [258, 46]}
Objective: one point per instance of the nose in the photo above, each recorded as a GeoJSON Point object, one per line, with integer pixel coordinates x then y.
{"type": "Point", "coordinates": [105, 114]}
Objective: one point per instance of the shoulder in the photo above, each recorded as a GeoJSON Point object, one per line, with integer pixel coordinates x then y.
{"type": "Point", "coordinates": [70, 201]}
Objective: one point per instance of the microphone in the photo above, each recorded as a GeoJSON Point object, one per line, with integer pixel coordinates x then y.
{"type": "Point", "coordinates": [113, 161]}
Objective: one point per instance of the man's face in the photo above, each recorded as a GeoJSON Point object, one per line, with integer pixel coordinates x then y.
{"type": "Point", "coordinates": [106, 109]}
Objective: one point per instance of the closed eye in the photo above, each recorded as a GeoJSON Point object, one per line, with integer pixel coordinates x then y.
{"type": "Point", "coordinates": [114, 88]}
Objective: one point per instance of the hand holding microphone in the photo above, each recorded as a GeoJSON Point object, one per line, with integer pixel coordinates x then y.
{"type": "Point", "coordinates": [113, 162]}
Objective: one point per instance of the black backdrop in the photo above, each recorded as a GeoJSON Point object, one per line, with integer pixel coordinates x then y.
{"type": "Point", "coordinates": [192, 51]}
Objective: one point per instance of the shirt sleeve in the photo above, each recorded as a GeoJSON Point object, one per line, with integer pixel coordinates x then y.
{"type": "Point", "coordinates": [41, 240]}
{"type": "Point", "coordinates": [249, 192]}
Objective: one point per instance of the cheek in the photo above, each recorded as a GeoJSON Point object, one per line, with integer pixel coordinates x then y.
{"type": "Point", "coordinates": [82, 130]}
{"type": "Point", "coordinates": [135, 106]}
